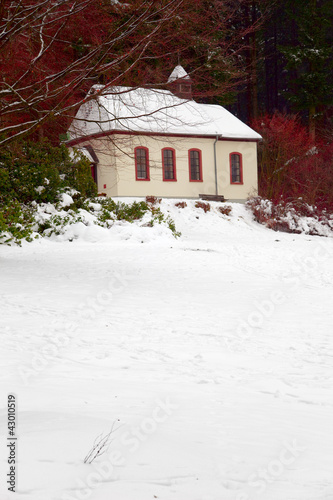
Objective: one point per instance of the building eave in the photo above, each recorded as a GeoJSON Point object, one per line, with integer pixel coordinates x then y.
{"type": "Point", "coordinates": [98, 135]}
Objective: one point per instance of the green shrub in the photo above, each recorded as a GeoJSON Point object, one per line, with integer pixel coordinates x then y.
{"type": "Point", "coordinates": [33, 173]}
{"type": "Point", "coordinates": [112, 211]}
{"type": "Point", "coordinates": [131, 212]}
{"type": "Point", "coordinates": [39, 172]}
{"type": "Point", "coordinates": [56, 224]}
{"type": "Point", "coordinates": [5, 185]}
{"type": "Point", "coordinates": [16, 222]}
{"type": "Point", "coordinates": [120, 211]}
{"type": "Point", "coordinates": [78, 176]}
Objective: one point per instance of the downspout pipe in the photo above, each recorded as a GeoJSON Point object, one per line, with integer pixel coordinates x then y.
{"type": "Point", "coordinates": [215, 163]}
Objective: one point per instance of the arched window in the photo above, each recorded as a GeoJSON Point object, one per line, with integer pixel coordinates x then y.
{"type": "Point", "coordinates": [236, 168]}
{"type": "Point", "coordinates": [169, 164]}
{"type": "Point", "coordinates": [141, 164]}
{"type": "Point", "coordinates": [195, 165]}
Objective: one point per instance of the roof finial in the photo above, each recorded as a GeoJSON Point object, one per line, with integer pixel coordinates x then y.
{"type": "Point", "coordinates": [180, 83]}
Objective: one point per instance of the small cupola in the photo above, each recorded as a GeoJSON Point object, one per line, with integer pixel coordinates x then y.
{"type": "Point", "coordinates": [180, 83]}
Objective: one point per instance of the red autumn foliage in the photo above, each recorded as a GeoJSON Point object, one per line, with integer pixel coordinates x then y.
{"type": "Point", "coordinates": [291, 166]}
{"type": "Point", "coordinates": [153, 200]}
{"type": "Point", "coordinates": [225, 209]}
{"type": "Point", "coordinates": [205, 206]}
{"type": "Point", "coordinates": [51, 53]}
{"type": "Point", "coordinates": [291, 217]}
{"type": "Point", "coordinates": [181, 204]}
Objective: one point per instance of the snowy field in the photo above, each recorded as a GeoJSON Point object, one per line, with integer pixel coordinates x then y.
{"type": "Point", "coordinates": [211, 356]}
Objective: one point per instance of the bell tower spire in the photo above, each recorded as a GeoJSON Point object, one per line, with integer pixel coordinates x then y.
{"type": "Point", "coordinates": [180, 83]}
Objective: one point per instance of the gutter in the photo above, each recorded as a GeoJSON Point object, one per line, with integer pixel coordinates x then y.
{"type": "Point", "coordinates": [215, 162]}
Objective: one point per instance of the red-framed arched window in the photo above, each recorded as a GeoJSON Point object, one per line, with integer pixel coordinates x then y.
{"type": "Point", "coordinates": [169, 164]}
{"type": "Point", "coordinates": [195, 165]}
{"type": "Point", "coordinates": [236, 168]}
{"type": "Point", "coordinates": [141, 155]}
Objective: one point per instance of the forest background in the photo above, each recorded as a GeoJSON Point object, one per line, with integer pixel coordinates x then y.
{"type": "Point", "coordinates": [269, 62]}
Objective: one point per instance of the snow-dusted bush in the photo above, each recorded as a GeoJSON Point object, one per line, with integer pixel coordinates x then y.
{"type": "Point", "coordinates": [16, 222]}
{"type": "Point", "coordinates": [147, 212]}
{"type": "Point", "coordinates": [291, 217]}
{"type": "Point", "coordinates": [33, 174]}
{"type": "Point", "coordinates": [65, 218]}
{"type": "Point", "coordinates": [38, 171]}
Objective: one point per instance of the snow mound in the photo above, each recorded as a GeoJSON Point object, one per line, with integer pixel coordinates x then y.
{"type": "Point", "coordinates": [211, 354]}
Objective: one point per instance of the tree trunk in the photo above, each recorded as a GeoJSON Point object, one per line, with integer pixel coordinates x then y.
{"type": "Point", "coordinates": [312, 122]}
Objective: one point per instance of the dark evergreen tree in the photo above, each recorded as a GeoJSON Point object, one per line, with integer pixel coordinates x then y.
{"type": "Point", "coordinates": [308, 56]}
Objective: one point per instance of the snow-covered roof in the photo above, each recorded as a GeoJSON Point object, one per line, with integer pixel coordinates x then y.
{"type": "Point", "coordinates": [83, 151]}
{"type": "Point", "coordinates": [177, 74]}
{"type": "Point", "coordinates": [154, 111]}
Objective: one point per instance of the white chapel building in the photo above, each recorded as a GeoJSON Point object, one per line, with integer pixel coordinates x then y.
{"type": "Point", "coordinates": [156, 142]}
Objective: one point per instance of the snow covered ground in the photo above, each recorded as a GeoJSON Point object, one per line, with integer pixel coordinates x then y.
{"type": "Point", "coordinates": [211, 355]}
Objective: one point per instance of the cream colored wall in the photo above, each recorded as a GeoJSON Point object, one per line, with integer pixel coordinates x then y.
{"type": "Point", "coordinates": [107, 174]}
{"type": "Point", "coordinates": [248, 151]}
{"type": "Point", "coordinates": [116, 169]}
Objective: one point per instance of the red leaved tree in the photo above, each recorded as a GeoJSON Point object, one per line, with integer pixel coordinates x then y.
{"type": "Point", "coordinates": [52, 51]}
{"type": "Point", "coordinates": [291, 165]}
